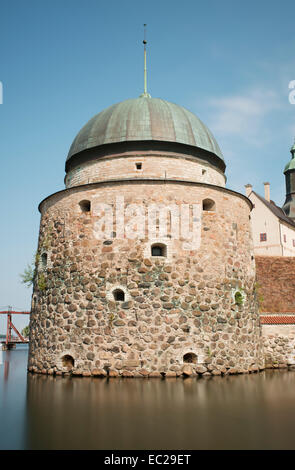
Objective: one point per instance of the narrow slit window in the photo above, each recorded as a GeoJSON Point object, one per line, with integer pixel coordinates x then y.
{"type": "Point", "coordinates": [44, 260]}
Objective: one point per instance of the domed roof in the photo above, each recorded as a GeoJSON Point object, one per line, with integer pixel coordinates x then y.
{"type": "Point", "coordinates": [291, 164]}
{"type": "Point", "coordinates": [145, 119]}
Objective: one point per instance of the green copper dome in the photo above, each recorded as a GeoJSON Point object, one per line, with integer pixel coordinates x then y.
{"type": "Point", "coordinates": [145, 119]}
{"type": "Point", "coordinates": [291, 164]}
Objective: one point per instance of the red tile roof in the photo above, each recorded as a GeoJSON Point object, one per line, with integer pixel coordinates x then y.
{"type": "Point", "coordinates": [277, 319]}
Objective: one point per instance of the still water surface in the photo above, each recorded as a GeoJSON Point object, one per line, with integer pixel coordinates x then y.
{"type": "Point", "coordinates": [235, 412]}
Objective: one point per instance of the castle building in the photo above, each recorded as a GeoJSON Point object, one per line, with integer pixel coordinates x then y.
{"type": "Point", "coordinates": [145, 264]}
{"type": "Point", "coordinates": [273, 227]}
{"type": "Point", "coordinates": [106, 302]}
{"type": "Point", "coordinates": [273, 231]}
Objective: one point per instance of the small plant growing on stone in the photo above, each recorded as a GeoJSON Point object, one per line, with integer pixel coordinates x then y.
{"type": "Point", "coordinates": [26, 331]}
{"type": "Point", "coordinates": [111, 319]}
{"type": "Point", "coordinates": [42, 282]}
{"type": "Point", "coordinates": [239, 298]}
{"type": "Point", "coordinates": [47, 239]}
{"type": "Point", "coordinates": [28, 275]}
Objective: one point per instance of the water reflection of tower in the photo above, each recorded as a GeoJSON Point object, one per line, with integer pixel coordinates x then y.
{"type": "Point", "coordinates": [6, 370]}
{"type": "Point", "coordinates": [6, 365]}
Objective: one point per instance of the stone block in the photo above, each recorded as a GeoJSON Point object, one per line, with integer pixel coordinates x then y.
{"type": "Point", "coordinates": [131, 363]}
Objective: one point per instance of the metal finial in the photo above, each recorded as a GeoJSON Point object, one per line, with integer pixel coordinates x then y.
{"type": "Point", "coordinates": [145, 93]}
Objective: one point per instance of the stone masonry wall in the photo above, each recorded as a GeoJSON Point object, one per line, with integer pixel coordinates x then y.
{"type": "Point", "coordinates": [276, 283]}
{"type": "Point", "coordinates": [174, 306]}
{"type": "Point", "coordinates": [276, 287]}
{"type": "Point", "coordinates": [153, 165]}
{"type": "Point", "coordinates": [279, 345]}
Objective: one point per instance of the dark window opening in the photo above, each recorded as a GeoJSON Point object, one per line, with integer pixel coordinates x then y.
{"type": "Point", "coordinates": [159, 250]}
{"type": "Point", "coordinates": [44, 260]}
{"type": "Point", "coordinates": [190, 358]}
{"type": "Point", "coordinates": [263, 237]}
{"type": "Point", "coordinates": [208, 205]}
{"type": "Point", "coordinates": [285, 238]}
{"type": "Point", "coordinates": [107, 369]}
{"type": "Point", "coordinates": [119, 295]}
{"type": "Point", "coordinates": [138, 166]}
{"type": "Point", "coordinates": [85, 206]}
{"type": "Point", "coordinates": [68, 362]}
{"type": "Point", "coordinates": [203, 172]}
{"type": "Point", "coordinates": [34, 301]}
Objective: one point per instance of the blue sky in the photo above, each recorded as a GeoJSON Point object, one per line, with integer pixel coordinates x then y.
{"type": "Point", "coordinates": [63, 61]}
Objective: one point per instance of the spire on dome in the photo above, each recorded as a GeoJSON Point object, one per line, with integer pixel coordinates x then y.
{"type": "Point", "coordinates": [145, 94]}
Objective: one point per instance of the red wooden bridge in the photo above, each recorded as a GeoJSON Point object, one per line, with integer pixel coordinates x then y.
{"type": "Point", "coordinates": [11, 341]}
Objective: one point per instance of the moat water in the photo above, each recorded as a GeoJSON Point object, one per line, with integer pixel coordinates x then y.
{"type": "Point", "coordinates": [254, 411]}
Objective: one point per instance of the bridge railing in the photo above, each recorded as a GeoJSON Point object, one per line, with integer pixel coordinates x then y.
{"type": "Point", "coordinates": [10, 340]}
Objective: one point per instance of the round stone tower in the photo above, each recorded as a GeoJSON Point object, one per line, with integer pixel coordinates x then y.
{"type": "Point", "coordinates": [145, 263]}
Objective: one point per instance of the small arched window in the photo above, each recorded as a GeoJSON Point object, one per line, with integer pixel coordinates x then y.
{"type": "Point", "coordinates": [44, 260]}
{"type": "Point", "coordinates": [85, 206]}
{"type": "Point", "coordinates": [159, 249]}
{"type": "Point", "coordinates": [119, 295]}
{"type": "Point", "coordinates": [209, 205]}
{"type": "Point", "coordinates": [190, 358]}
{"type": "Point", "coordinates": [68, 362]}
